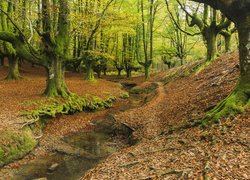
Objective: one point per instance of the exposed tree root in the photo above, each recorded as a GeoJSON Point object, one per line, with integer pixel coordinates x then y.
{"type": "Point", "coordinates": [70, 105]}
{"type": "Point", "coordinates": [235, 103]}
{"type": "Point", "coordinates": [26, 123]}
{"type": "Point", "coordinates": [13, 77]}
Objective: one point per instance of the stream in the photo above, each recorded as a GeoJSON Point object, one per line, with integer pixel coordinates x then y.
{"type": "Point", "coordinates": [83, 150]}
{"type": "Point", "coordinates": [61, 166]}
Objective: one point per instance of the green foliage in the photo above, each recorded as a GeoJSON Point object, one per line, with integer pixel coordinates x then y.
{"type": "Point", "coordinates": [15, 145]}
{"type": "Point", "coordinates": [124, 95]}
{"type": "Point", "coordinates": [70, 105]}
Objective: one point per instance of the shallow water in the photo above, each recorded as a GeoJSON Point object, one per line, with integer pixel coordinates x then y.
{"type": "Point", "coordinates": [98, 144]}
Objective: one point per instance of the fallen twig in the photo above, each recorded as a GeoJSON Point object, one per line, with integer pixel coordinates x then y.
{"type": "Point", "coordinates": [132, 163]}
{"type": "Point", "coordinates": [163, 173]}
{"type": "Point", "coordinates": [154, 151]}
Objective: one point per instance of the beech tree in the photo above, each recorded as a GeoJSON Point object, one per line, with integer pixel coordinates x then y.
{"type": "Point", "coordinates": [238, 12]}
{"type": "Point", "coordinates": [148, 21]}
{"type": "Point", "coordinates": [54, 49]}
{"type": "Point", "coordinates": [208, 23]}
{"type": "Point", "coordinates": [227, 34]}
{"type": "Point", "coordinates": [179, 46]}
{"type": "Point", "coordinates": [8, 51]}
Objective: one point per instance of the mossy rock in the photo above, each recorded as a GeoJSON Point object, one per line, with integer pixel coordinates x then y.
{"type": "Point", "coordinates": [14, 145]}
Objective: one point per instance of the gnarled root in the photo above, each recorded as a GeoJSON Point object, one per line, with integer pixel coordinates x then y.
{"type": "Point", "coordinates": [235, 103]}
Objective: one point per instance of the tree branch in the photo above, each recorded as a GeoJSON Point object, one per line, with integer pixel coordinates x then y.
{"type": "Point", "coordinates": [177, 25]}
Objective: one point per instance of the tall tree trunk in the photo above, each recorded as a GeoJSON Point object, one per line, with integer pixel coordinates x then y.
{"type": "Point", "coordinates": [105, 71]}
{"type": "Point", "coordinates": [244, 48]}
{"type": "Point", "coordinates": [55, 51]}
{"type": "Point", "coordinates": [128, 71]}
{"type": "Point", "coordinates": [211, 45]}
{"type": "Point", "coordinates": [147, 72]}
{"type": "Point", "coordinates": [239, 99]}
{"type": "Point", "coordinates": [228, 43]}
{"type": "Point", "coordinates": [13, 73]}
{"type": "Point", "coordinates": [89, 72]}
{"type": "Point", "coordinates": [182, 62]}
{"type": "Point", "coordinates": [55, 81]}
{"type": "Point", "coordinates": [1, 60]}
{"type": "Point", "coordinates": [119, 71]}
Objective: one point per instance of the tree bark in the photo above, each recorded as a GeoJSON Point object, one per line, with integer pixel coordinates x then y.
{"type": "Point", "coordinates": [128, 71]}
{"type": "Point", "coordinates": [239, 99]}
{"type": "Point", "coordinates": [119, 71]}
{"type": "Point", "coordinates": [244, 49]}
{"type": "Point", "coordinates": [55, 80]}
{"type": "Point", "coordinates": [13, 73]}
{"type": "Point", "coordinates": [211, 45]}
{"type": "Point", "coordinates": [146, 68]}
{"type": "Point", "coordinates": [89, 72]}
{"type": "Point", "coordinates": [228, 43]}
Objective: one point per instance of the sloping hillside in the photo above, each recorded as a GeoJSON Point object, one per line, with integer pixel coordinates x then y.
{"type": "Point", "coordinates": [220, 151]}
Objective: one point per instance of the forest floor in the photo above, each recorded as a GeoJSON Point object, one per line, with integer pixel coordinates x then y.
{"type": "Point", "coordinates": [219, 152]}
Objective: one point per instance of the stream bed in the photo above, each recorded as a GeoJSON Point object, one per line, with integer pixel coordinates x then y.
{"type": "Point", "coordinates": [82, 151]}
{"type": "Point", "coordinates": [60, 166]}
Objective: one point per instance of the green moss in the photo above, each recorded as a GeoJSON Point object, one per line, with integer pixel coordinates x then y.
{"type": "Point", "coordinates": [235, 103]}
{"type": "Point", "coordinates": [14, 145]}
{"type": "Point", "coordinates": [202, 66]}
{"type": "Point", "coordinates": [124, 95]}
{"type": "Point", "coordinates": [70, 105]}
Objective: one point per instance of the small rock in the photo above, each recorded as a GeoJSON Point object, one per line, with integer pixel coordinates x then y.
{"type": "Point", "coordinates": [44, 178]}
{"type": "Point", "coordinates": [53, 167]}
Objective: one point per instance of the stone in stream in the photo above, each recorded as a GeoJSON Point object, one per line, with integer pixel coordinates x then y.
{"type": "Point", "coordinates": [53, 167]}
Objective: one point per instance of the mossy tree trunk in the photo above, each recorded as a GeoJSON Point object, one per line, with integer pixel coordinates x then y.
{"type": "Point", "coordinates": [227, 34]}
{"type": "Point", "coordinates": [244, 49]}
{"type": "Point", "coordinates": [13, 73]}
{"type": "Point", "coordinates": [8, 49]}
{"type": "Point", "coordinates": [211, 40]}
{"type": "Point", "coordinates": [147, 75]}
{"type": "Point", "coordinates": [89, 72]}
{"type": "Point", "coordinates": [228, 43]}
{"type": "Point", "coordinates": [56, 48]}
{"type": "Point", "coordinates": [55, 80]}
{"type": "Point", "coordinates": [119, 71]}
{"type": "Point", "coordinates": [239, 99]}
{"type": "Point", "coordinates": [209, 27]}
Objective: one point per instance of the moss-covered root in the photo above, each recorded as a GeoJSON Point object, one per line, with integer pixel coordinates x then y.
{"type": "Point", "coordinates": [235, 103]}
{"type": "Point", "coordinates": [14, 145]}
